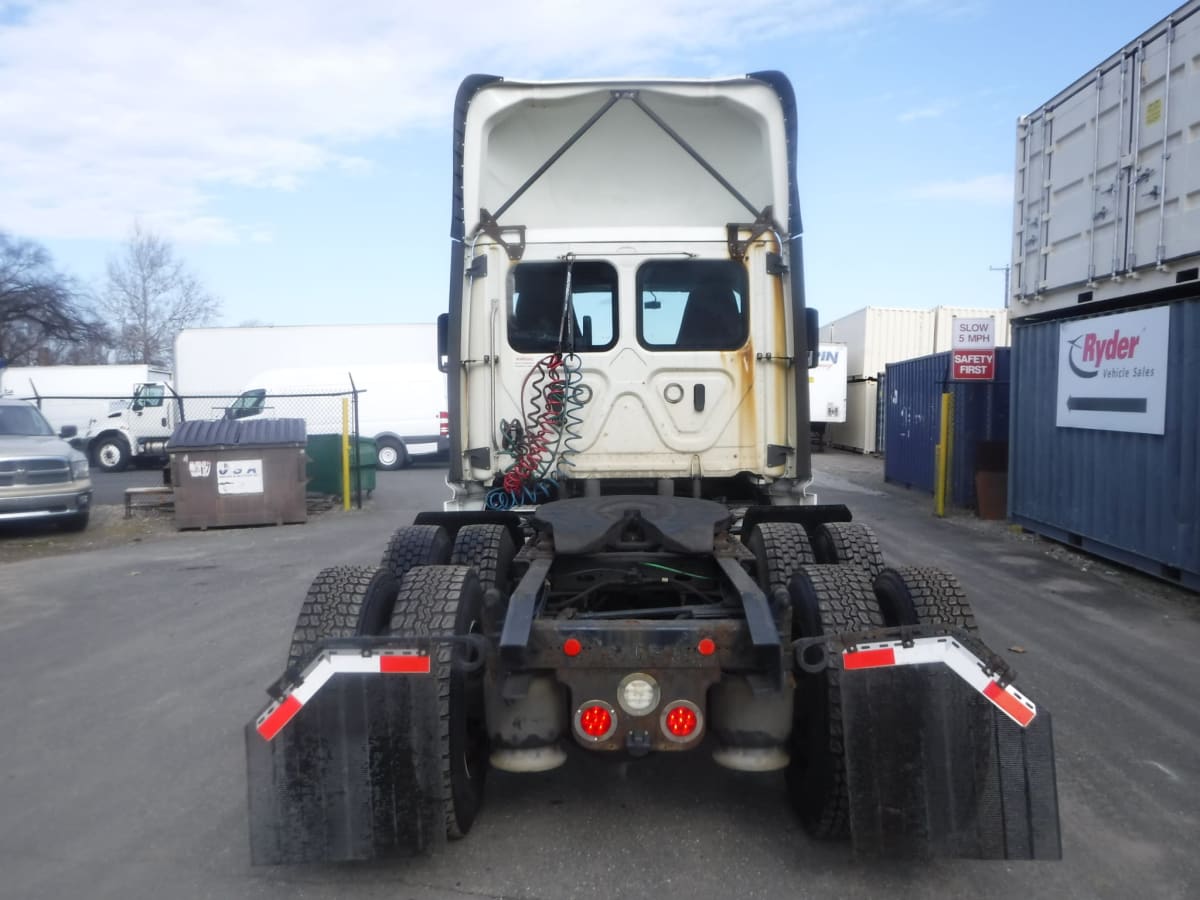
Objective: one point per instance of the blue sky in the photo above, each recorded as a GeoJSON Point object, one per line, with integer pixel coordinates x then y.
{"type": "Point", "coordinates": [298, 153]}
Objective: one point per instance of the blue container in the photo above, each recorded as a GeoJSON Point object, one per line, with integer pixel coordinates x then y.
{"type": "Point", "coordinates": [914, 418]}
{"type": "Point", "coordinates": [1132, 498]}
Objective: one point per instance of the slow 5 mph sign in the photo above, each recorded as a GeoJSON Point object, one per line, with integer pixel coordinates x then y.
{"type": "Point", "coordinates": [973, 350]}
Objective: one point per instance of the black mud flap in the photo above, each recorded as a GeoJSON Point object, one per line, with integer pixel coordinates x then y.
{"type": "Point", "coordinates": [355, 775]}
{"type": "Point", "coordinates": [935, 770]}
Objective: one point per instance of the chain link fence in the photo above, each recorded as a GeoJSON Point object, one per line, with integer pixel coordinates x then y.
{"type": "Point", "coordinates": [119, 430]}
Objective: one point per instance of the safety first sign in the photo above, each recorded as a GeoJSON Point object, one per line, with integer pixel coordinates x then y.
{"type": "Point", "coordinates": [973, 349]}
{"type": "Point", "coordinates": [1112, 372]}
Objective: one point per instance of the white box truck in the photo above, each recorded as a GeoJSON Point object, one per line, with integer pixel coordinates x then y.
{"type": "Point", "coordinates": [827, 391]}
{"type": "Point", "coordinates": [120, 412]}
{"type": "Point", "coordinates": [221, 361]}
{"type": "Point", "coordinates": [401, 405]}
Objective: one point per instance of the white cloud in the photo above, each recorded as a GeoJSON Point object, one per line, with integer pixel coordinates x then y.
{"type": "Point", "coordinates": [930, 111]}
{"type": "Point", "coordinates": [988, 189]}
{"type": "Point", "coordinates": [125, 109]}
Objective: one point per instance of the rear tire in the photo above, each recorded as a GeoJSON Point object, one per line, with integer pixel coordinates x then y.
{"type": "Point", "coordinates": [848, 544]}
{"type": "Point", "coordinates": [781, 549]}
{"type": "Point", "coordinates": [490, 550]}
{"type": "Point", "coordinates": [416, 545]}
{"type": "Point", "coordinates": [391, 454]}
{"type": "Point", "coordinates": [923, 596]}
{"type": "Point", "coordinates": [343, 602]}
{"type": "Point", "coordinates": [443, 601]}
{"type": "Point", "coordinates": [826, 599]}
{"type": "Point", "coordinates": [929, 596]}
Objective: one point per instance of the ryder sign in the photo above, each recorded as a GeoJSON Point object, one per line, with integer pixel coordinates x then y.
{"type": "Point", "coordinates": [1112, 372]}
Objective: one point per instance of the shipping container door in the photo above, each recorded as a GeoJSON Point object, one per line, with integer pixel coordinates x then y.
{"type": "Point", "coordinates": [1072, 194]}
{"type": "Point", "coordinates": [1163, 182]}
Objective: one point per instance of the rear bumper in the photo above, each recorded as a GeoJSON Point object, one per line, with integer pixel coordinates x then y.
{"type": "Point", "coordinates": [47, 504]}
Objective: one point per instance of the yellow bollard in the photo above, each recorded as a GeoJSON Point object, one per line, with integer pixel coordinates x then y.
{"type": "Point", "coordinates": [345, 453]}
{"type": "Point", "coordinates": [941, 474]}
{"type": "Point", "coordinates": [948, 440]}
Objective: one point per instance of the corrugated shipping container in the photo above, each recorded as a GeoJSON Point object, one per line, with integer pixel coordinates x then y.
{"type": "Point", "coordinates": [1131, 497]}
{"type": "Point", "coordinates": [913, 417]}
{"type": "Point", "coordinates": [1107, 177]}
{"type": "Point", "coordinates": [875, 335]}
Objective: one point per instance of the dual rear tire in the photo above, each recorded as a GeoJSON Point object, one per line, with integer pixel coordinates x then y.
{"type": "Point", "coordinates": [447, 602]}
{"type": "Point", "coordinates": [415, 592]}
{"type": "Point", "coordinates": [836, 583]}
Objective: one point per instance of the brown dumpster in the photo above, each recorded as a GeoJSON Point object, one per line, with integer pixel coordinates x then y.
{"type": "Point", "coordinates": [236, 472]}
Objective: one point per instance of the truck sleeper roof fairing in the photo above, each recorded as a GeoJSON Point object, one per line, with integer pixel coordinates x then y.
{"type": "Point", "coordinates": [620, 160]}
{"type": "Point", "coordinates": [628, 144]}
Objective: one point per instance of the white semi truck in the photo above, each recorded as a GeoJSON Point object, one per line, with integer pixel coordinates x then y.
{"type": "Point", "coordinates": [630, 561]}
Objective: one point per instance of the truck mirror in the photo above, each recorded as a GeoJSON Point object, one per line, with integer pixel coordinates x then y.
{"type": "Point", "coordinates": [443, 341]}
{"type": "Point", "coordinates": [68, 431]}
{"type": "Point", "coordinates": [812, 336]}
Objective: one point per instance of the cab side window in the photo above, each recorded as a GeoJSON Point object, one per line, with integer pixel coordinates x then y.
{"type": "Point", "coordinates": [150, 395]}
{"type": "Point", "coordinates": [250, 403]}
{"type": "Point", "coordinates": [692, 304]}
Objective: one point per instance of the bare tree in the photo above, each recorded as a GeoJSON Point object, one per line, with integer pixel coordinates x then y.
{"type": "Point", "coordinates": [150, 296]}
{"type": "Point", "coordinates": [43, 317]}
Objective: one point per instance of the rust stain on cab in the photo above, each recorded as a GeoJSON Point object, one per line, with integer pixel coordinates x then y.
{"type": "Point", "coordinates": [740, 366]}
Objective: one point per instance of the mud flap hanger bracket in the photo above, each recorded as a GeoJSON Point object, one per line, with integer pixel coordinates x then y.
{"type": "Point", "coordinates": [392, 655]}
{"type": "Point", "coordinates": [764, 219]}
{"type": "Point", "coordinates": [923, 645]}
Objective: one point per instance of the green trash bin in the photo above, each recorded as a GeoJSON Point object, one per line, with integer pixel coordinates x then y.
{"type": "Point", "coordinates": [325, 464]}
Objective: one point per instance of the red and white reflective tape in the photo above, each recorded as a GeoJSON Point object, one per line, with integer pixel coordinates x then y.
{"type": "Point", "coordinates": [960, 660]}
{"type": "Point", "coordinates": [324, 667]}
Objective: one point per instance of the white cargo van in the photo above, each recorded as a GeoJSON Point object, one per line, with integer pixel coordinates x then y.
{"type": "Point", "coordinates": [401, 405]}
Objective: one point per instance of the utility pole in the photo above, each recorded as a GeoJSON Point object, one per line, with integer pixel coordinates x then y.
{"type": "Point", "coordinates": [1005, 270]}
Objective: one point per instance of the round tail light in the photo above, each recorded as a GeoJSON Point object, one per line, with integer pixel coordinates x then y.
{"type": "Point", "coordinates": [595, 721]}
{"type": "Point", "coordinates": [681, 721]}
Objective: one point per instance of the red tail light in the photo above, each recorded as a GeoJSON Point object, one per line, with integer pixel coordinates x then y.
{"type": "Point", "coordinates": [595, 720]}
{"type": "Point", "coordinates": [681, 721]}
{"type": "Point", "coordinates": [445, 425]}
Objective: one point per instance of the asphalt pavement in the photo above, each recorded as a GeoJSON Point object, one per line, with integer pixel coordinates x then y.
{"type": "Point", "coordinates": [127, 674]}
{"type": "Point", "coordinates": [108, 488]}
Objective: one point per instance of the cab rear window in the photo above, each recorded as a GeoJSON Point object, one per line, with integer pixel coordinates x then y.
{"type": "Point", "coordinates": [692, 304]}
{"type": "Point", "coordinates": [542, 318]}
